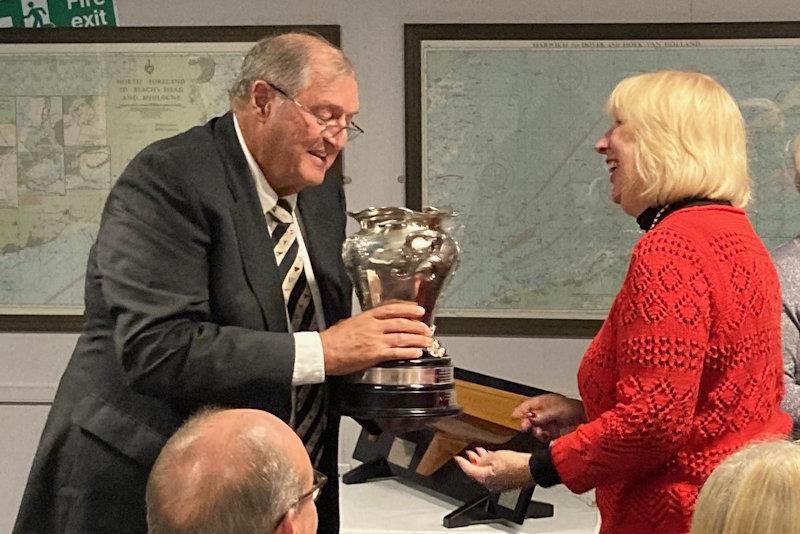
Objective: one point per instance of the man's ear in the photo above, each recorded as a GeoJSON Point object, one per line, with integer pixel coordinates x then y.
{"type": "Point", "coordinates": [287, 524]}
{"type": "Point", "coordinates": [260, 95]}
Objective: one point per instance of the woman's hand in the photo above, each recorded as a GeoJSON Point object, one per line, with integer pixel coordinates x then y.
{"type": "Point", "coordinates": [497, 470]}
{"type": "Point", "coordinates": [547, 415]}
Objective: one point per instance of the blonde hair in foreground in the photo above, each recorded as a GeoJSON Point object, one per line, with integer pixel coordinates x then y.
{"type": "Point", "coordinates": [754, 491]}
{"type": "Point", "coordinates": [690, 137]}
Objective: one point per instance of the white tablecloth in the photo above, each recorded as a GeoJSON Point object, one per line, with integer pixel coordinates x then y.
{"type": "Point", "coordinates": [390, 506]}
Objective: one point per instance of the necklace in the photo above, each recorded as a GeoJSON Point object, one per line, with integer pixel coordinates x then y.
{"type": "Point", "coordinates": [650, 217]}
{"type": "Point", "coordinates": [658, 216]}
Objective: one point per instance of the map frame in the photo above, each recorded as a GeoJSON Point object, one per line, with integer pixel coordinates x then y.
{"type": "Point", "coordinates": [522, 322]}
{"type": "Point", "coordinates": [27, 318]}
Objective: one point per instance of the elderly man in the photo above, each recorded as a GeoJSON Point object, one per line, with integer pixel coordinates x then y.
{"type": "Point", "coordinates": [217, 278]}
{"type": "Point", "coordinates": [242, 471]}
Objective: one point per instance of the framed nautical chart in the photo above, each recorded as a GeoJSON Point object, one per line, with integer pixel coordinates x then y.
{"type": "Point", "coordinates": [501, 121]}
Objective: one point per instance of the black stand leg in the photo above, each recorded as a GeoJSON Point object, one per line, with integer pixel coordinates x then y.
{"type": "Point", "coordinates": [471, 513]}
{"type": "Point", "coordinates": [526, 508]}
{"type": "Point", "coordinates": [485, 509]}
{"type": "Point", "coordinates": [375, 468]}
{"type": "Point", "coordinates": [539, 509]}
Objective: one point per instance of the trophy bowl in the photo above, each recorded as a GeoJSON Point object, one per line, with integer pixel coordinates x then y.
{"type": "Point", "coordinates": [401, 254]}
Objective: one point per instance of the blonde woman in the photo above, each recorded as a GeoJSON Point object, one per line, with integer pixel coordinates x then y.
{"type": "Point", "coordinates": [686, 368]}
{"type": "Point", "coordinates": [754, 491]}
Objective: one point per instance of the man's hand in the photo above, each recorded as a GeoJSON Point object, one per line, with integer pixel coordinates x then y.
{"type": "Point", "coordinates": [388, 332]}
{"type": "Point", "coordinates": [497, 470]}
{"type": "Point", "coordinates": [547, 415]}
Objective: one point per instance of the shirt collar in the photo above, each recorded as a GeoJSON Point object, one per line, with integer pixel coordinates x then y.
{"type": "Point", "coordinates": [267, 197]}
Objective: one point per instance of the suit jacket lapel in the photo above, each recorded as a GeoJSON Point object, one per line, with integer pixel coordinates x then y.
{"type": "Point", "coordinates": [255, 245]}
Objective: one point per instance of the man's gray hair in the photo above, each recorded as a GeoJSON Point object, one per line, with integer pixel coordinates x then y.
{"type": "Point", "coordinates": [285, 60]}
{"type": "Point", "coordinates": [250, 494]}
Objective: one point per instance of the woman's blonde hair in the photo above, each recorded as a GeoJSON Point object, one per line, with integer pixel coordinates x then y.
{"type": "Point", "coordinates": [690, 137]}
{"type": "Point", "coordinates": [755, 490]}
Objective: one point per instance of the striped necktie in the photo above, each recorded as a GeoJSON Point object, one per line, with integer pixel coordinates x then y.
{"type": "Point", "coordinates": [309, 415]}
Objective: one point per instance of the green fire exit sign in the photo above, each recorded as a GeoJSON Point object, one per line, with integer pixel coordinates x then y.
{"type": "Point", "coordinates": [62, 13]}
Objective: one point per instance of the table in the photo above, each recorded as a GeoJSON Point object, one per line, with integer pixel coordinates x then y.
{"type": "Point", "coordinates": [391, 506]}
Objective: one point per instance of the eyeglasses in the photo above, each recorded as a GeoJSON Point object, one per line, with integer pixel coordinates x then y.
{"type": "Point", "coordinates": [314, 492]}
{"type": "Point", "coordinates": [331, 127]}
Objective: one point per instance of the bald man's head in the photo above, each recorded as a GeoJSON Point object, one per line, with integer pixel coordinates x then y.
{"type": "Point", "coordinates": [227, 471]}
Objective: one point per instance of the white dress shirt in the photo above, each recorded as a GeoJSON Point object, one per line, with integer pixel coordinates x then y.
{"type": "Point", "coordinates": [309, 364]}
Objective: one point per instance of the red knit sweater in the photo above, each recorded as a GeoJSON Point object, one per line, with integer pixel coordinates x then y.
{"type": "Point", "coordinates": [685, 370]}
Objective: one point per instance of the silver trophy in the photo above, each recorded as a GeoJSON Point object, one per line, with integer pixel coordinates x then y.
{"type": "Point", "coordinates": [400, 254]}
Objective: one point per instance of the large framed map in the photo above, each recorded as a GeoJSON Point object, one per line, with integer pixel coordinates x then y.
{"type": "Point", "coordinates": [75, 107]}
{"type": "Point", "coordinates": [501, 122]}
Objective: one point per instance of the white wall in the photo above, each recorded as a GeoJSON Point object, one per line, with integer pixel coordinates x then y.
{"type": "Point", "coordinates": [372, 35]}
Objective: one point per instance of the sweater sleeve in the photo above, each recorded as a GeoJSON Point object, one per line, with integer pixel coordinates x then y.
{"type": "Point", "coordinates": [659, 332]}
{"type": "Point", "coordinates": [543, 470]}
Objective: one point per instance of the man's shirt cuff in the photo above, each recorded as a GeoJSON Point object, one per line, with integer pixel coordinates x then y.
{"type": "Point", "coordinates": [309, 363]}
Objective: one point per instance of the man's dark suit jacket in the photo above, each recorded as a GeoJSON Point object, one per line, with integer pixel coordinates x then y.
{"type": "Point", "coordinates": [183, 309]}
